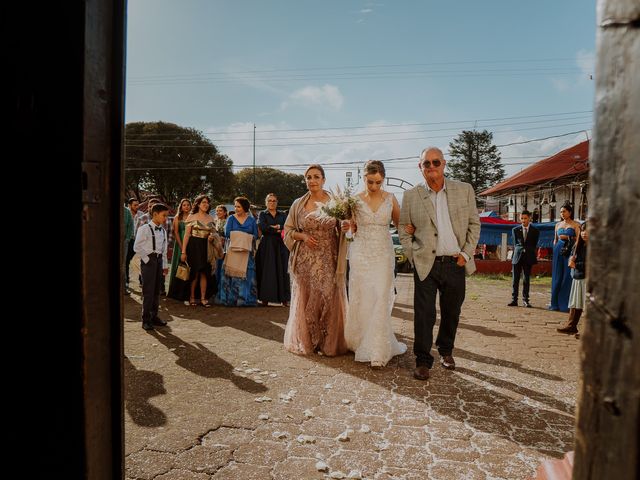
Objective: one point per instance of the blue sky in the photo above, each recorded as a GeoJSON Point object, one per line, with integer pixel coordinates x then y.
{"type": "Point", "coordinates": [407, 73]}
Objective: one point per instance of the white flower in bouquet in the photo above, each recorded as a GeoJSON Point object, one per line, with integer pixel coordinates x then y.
{"type": "Point", "coordinates": [342, 205]}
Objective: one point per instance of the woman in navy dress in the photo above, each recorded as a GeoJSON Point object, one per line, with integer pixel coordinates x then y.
{"type": "Point", "coordinates": [565, 232]}
{"type": "Point", "coordinates": [272, 258]}
{"type": "Point", "coordinates": [235, 291]}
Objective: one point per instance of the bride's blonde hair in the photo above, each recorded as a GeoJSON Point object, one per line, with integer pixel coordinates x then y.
{"type": "Point", "coordinates": [374, 166]}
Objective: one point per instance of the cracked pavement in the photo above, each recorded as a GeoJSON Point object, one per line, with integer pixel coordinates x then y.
{"type": "Point", "coordinates": [214, 395]}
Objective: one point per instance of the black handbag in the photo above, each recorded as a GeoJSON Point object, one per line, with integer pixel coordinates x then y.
{"type": "Point", "coordinates": [567, 247]}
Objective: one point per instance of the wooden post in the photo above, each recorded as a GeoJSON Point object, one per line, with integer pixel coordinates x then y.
{"type": "Point", "coordinates": [608, 423]}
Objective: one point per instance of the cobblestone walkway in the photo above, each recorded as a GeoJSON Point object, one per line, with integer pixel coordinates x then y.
{"type": "Point", "coordinates": [215, 396]}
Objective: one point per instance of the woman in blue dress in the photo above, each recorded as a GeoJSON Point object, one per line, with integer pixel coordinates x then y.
{"type": "Point", "coordinates": [565, 232]}
{"type": "Point", "coordinates": [235, 291]}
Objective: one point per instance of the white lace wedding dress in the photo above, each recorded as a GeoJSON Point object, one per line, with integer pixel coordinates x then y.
{"type": "Point", "coordinates": [368, 328]}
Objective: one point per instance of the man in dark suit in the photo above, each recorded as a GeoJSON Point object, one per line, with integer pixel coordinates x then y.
{"type": "Point", "coordinates": [525, 241]}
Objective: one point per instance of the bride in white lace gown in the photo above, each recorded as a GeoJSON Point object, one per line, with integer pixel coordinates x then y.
{"type": "Point", "coordinates": [368, 329]}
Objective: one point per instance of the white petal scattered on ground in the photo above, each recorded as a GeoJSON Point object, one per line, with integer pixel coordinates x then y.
{"type": "Point", "coordinates": [308, 413]}
{"type": "Point", "coordinates": [313, 371]}
{"type": "Point", "coordinates": [245, 363]}
{"type": "Point", "coordinates": [264, 372]}
{"type": "Point", "coordinates": [279, 435]}
{"type": "Point", "coordinates": [172, 349]}
{"type": "Point", "coordinates": [182, 346]}
{"type": "Point", "coordinates": [238, 369]}
{"type": "Point", "coordinates": [355, 474]}
{"type": "Point", "coordinates": [263, 399]}
{"type": "Point", "coordinates": [337, 474]}
{"type": "Point", "coordinates": [344, 436]}
{"type": "Point", "coordinates": [257, 380]}
{"type": "Point", "coordinates": [346, 401]}
{"type": "Point", "coordinates": [383, 445]}
{"type": "Point", "coordinates": [273, 375]}
{"type": "Point", "coordinates": [154, 344]}
{"type": "Point", "coordinates": [321, 466]}
{"type": "Point", "coordinates": [365, 428]}
{"type": "Point", "coordinates": [263, 416]}
{"type": "Point", "coordinates": [306, 439]}
{"type": "Point", "coordinates": [328, 386]}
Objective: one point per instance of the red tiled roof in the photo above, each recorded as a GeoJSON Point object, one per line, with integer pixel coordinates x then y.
{"type": "Point", "coordinates": [569, 162]}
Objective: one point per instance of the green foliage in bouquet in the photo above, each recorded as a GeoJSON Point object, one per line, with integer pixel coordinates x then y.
{"type": "Point", "coordinates": [341, 205]}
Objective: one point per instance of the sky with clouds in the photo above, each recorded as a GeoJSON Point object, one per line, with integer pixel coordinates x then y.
{"type": "Point", "coordinates": [340, 82]}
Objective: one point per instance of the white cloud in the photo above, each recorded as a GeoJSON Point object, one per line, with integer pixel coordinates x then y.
{"type": "Point", "coordinates": [366, 10]}
{"type": "Point", "coordinates": [327, 96]}
{"type": "Point", "coordinates": [586, 60]}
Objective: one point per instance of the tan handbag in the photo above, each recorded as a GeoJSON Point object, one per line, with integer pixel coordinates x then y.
{"type": "Point", "coordinates": [183, 271]}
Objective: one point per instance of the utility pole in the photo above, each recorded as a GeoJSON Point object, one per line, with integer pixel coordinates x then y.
{"type": "Point", "coordinates": [254, 162]}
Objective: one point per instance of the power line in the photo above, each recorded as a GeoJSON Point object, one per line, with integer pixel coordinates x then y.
{"type": "Point", "coordinates": [131, 140]}
{"type": "Point", "coordinates": [367, 76]}
{"type": "Point", "coordinates": [463, 62]}
{"type": "Point", "coordinates": [391, 125]}
{"type": "Point", "coordinates": [352, 141]}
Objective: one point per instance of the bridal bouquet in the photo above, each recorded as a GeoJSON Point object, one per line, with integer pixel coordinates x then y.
{"type": "Point", "coordinates": [341, 206]}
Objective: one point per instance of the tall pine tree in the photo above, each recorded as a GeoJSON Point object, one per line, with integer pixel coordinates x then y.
{"type": "Point", "coordinates": [475, 160]}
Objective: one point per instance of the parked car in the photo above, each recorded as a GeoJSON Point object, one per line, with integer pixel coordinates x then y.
{"type": "Point", "coordinates": [402, 263]}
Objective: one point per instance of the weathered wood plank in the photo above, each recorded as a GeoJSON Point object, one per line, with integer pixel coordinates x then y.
{"type": "Point", "coordinates": [608, 424]}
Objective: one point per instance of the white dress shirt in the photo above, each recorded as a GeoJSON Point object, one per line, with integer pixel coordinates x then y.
{"type": "Point", "coordinates": [447, 243]}
{"type": "Point", "coordinates": [143, 245]}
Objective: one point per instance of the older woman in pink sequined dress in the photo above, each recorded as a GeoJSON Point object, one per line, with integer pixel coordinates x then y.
{"type": "Point", "coordinates": [318, 302]}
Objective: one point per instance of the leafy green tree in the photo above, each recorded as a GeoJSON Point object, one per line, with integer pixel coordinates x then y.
{"type": "Point", "coordinates": [474, 159]}
{"type": "Point", "coordinates": [175, 162]}
{"type": "Point", "coordinates": [287, 186]}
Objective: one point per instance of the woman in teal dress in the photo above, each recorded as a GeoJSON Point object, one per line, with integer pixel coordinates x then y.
{"type": "Point", "coordinates": [179, 289]}
{"type": "Point", "coordinates": [565, 232]}
{"type": "Point", "coordinates": [234, 291]}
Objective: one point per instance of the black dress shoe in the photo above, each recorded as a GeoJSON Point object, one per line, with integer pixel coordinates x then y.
{"type": "Point", "coordinates": [526, 304]}
{"type": "Point", "coordinates": [421, 373]}
{"type": "Point", "coordinates": [512, 304]}
{"type": "Point", "coordinates": [147, 326]}
{"type": "Point", "coordinates": [159, 322]}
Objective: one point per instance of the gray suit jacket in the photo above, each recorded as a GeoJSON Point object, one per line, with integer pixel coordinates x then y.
{"type": "Point", "coordinates": [417, 209]}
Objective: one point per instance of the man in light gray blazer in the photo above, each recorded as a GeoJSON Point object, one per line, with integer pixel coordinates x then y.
{"type": "Point", "coordinates": [439, 230]}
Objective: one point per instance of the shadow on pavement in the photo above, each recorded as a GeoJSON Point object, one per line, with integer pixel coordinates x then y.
{"type": "Point", "coordinates": [139, 387]}
{"type": "Point", "coordinates": [198, 359]}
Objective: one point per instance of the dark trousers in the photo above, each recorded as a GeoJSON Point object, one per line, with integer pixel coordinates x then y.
{"type": "Point", "coordinates": [516, 269]}
{"type": "Point", "coordinates": [152, 279]}
{"type": "Point", "coordinates": [448, 279]}
{"type": "Point", "coordinates": [129, 253]}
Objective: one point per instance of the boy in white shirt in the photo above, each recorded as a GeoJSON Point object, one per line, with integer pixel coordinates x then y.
{"type": "Point", "coordinates": [151, 247]}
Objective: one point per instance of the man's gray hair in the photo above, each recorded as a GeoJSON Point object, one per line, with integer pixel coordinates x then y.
{"type": "Point", "coordinates": [428, 149]}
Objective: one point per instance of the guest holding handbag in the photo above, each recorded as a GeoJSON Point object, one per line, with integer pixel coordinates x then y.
{"type": "Point", "coordinates": [179, 288]}
{"type": "Point", "coordinates": [577, 297]}
{"type": "Point", "coordinates": [200, 230]}
{"type": "Point", "coordinates": [238, 286]}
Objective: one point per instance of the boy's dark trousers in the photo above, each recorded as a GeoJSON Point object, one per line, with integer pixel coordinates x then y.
{"type": "Point", "coordinates": [152, 279]}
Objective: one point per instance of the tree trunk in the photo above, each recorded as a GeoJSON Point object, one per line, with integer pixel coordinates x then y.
{"type": "Point", "coordinates": [608, 424]}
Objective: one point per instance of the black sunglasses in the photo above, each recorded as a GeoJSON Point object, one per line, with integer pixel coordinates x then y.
{"type": "Point", "coordinates": [428, 163]}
